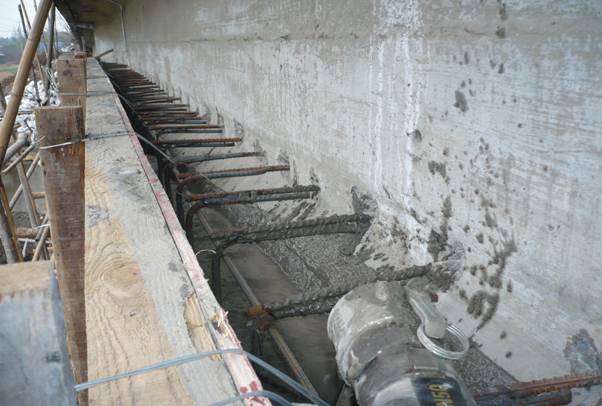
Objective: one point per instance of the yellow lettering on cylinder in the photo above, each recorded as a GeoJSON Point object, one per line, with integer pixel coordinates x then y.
{"type": "Point", "coordinates": [441, 395]}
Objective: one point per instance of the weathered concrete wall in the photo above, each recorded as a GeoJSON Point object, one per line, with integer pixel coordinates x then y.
{"type": "Point", "coordinates": [475, 125]}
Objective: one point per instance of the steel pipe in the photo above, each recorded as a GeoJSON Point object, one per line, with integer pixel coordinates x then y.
{"type": "Point", "coordinates": [21, 141]}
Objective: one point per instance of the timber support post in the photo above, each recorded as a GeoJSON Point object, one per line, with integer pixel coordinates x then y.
{"type": "Point", "coordinates": [72, 82]}
{"type": "Point", "coordinates": [61, 130]}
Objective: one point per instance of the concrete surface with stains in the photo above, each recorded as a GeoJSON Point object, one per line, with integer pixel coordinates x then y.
{"type": "Point", "coordinates": [475, 126]}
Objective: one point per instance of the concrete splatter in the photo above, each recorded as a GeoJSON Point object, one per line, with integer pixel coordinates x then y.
{"type": "Point", "coordinates": [438, 239]}
{"type": "Point", "coordinates": [503, 13]}
{"type": "Point", "coordinates": [582, 353]}
{"type": "Point", "coordinates": [484, 305]}
{"type": "Point", "coordinates": [461, 102]}
{"type": "Point", "coordinates": [500, 32]}
{"type": "Point", "coordinates": [437, 167]}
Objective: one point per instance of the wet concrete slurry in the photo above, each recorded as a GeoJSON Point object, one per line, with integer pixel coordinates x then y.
{"type": "Point", "coordinates": [306, 336]}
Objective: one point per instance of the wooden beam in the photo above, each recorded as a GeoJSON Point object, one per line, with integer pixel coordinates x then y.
{"type": "Point", "coordinates": [72, 81]}
{"type": "Point", "coordinates": [125, 328]}
{"type": "Point", "coordinates": [35, 366]}
{"type": "Point", "coordinates": [140, 305]}
{"type": "Point", "coordinates": [61, 130]}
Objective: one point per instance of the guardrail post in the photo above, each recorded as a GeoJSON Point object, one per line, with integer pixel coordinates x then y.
{"type": "Point", "coordinates": [72, 82]}
{"type": "Point", "coordinates": [61, 131]}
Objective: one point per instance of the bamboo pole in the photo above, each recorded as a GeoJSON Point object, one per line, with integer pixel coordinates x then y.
{"type": "Point", "coordinates": [57, 51]}
{"type": "Point", "coordinates": [26, 25]}
{"type": "Point", "coordinates": [29, 173]}
{"type": "Point", "coordinates": [11, 251]}
{"type": "Point", "coordinates": [8, 230]}
{"type": "Point", "coordinates": [9, 239]}
{"type": "Point", "coordinates": [2, 101]}
{"type": "Point", "coordinates": [18, 159]}
{"type": "Point", "coordinates": [7, 224]}
{"type": "Point", "coordinates": [51, 24]}
{"type": "Point", "coordinates": [30, 203]}
{"type": "Point", "coordinates": [24, 11]}
{"type": "Point", "coordinates": [37, 64]}
{"type": "Point", "coordinates": [41, 237]}
{"type": "Point", "coordinates": [43, 38]}
{"type": "Point", "coordinates": [21, 78]}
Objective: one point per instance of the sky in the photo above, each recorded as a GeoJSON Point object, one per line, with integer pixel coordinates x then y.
{"type": "Point", "coordinates": [9, 16]}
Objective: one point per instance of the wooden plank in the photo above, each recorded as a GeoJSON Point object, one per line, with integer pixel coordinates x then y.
{"type": "Point", "coordinates": [35, 366]}
{"type": "Point", "coordinates": [223, 335]}
{"type": "Point", "coordinates": [62, 154]}
{"type": "Point", "coordinates": [72, 81]}
{"type": "Point", "coordinates": [141, 306]}
{"type": "Point", "coordinates": [124, 328]}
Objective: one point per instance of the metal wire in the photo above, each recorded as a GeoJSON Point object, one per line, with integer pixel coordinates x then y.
{"type": "Point", "coordinates": [147, 142]}
{"type": "Point", "coordinates": [259, 393]}
{"type": "Point", "coordinates": [201, 355]}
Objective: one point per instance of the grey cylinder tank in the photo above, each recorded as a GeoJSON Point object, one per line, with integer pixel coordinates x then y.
{"type": "Point", "coordinates": [378, 354]}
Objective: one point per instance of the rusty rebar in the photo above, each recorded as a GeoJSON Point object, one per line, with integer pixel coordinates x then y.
{"type": "Point", "coordinates": [307, 192]}
{"type": "Point", "coordinates": [167, 113]}
{"type": "Point", "coordinates": [166, 169]}
{"type": "Point", "coordinates": [173, 120]}
{"type": "Point", "coordinates": [319, 300]}
{"type": "Point", "coordinates": [146, 101]}
{"type": "Point", "coordinates": [158, 128]}
{"type": "Point", "coordinates": [354, 223]}
{"type": "Point", "coordinates": [197, 141]}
